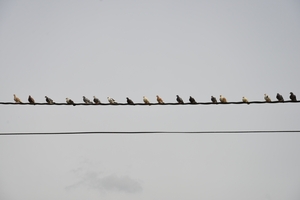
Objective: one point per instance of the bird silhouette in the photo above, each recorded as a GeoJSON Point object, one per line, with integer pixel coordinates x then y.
{"type": "Point", "coordinates": [179, 99]}
{"type": "Point", "coordinates": [293, 97]}
{"type": "Point", "coordinates": [49, 100]}
{"type": "Point", "coordinates": [129, 101]}
{"type": "Point", "coordinates": [192, 100]}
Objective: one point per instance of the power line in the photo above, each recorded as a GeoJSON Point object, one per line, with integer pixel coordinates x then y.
{"type": "Point", "coordinates": [151, 132]}
{"type": "Point", "coordinates": [152, 104]}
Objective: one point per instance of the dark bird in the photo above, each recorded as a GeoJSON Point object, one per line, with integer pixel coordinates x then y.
{"type": "Point", "coordinates": [279, 97]}
{"type": "Point", "coordinates": [70, 101]}
{"type": "Point", "coordinates": [17, 99]}
{"type": "Point", "coordinates": [179, 99]}
{"type": "Point", "coordinates": [129, 101]}
{"type": "Point", "coordinates": [267, 98]}
{"type": "Point", "coordinates": [213, 99]}
{"type": "Point", "coordinates": [293, 97]}
{"type": "Point", "coordinates": [96, 100]}
{"type": "Point", "coordinates": [31, 100]}
{"type": "Point", "coordinates": [223, 99]}
{"type": "Point", "coordinates": [159, 100]}
{"type": "Point", "coordinates": [192, 100]}
{"type": "Point", "coordinates": [86, 100]}
{"type": "Point", "coordinates": [49, 101]}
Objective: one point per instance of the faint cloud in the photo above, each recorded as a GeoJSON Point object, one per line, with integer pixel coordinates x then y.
{"type": "Point", "coordinates": [108, 183]}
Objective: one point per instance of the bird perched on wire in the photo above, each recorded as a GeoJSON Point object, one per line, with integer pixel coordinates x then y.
{"type": "Point", "coordinates": [214, 100]}
{"type": "Point", "coordinates": [223, 99]}
{"type": "Point", "coordinates": [179, 99]}
{"type": "Point", "coordinates": [86, 100]}
{"type": "Point", "coordinates": [245, 100]}
{"type": "Point", "coordinates": [17, 99]}
{"type": "Point", "coordinates": [111, 100]}
{"type": "Point", "coordinates": [49, 100]}
{"type": "Point", "coordinates": [96, 100]}
{"type": "Point", "coordinates": [129, 101]}
{"type": "Point", "coordinates": [192, 100]}
{"type": "Point", "coordinates": [279, 97]}
{"type": "Point", "coordinates": [146, 101]}
{"type": "Point", "coordinates": [31, 100]}
{"type": "Point", "coordinates": [267, 98]}
{"type": "Point", "coordinates": [70, 101]}
{"type": "Point", "coordinates": [159, 100]}
{"type": "Point", "coordinates": [293, 97]}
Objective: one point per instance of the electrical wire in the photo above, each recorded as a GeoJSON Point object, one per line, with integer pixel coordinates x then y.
{"type": "Point", "coordinates": [152, 104]}
{"type": "Point", "coordinates": [150, 132]}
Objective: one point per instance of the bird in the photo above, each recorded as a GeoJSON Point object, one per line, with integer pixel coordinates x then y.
{"type": "Point", "coordinates": [49, 100]}
{"type": "Point", "coordinates": [129, 101]}
{"type": "Point", "coordinates": [179, 99]}
{"type": "Point", "coordinates": [31, 100]}
{"type": "Point", "coordinates": [214, 100]}
{"type": "Point", "coordinates": [96, 100]}
{"type": "Point", "coordinates": [17, 99]}
{"type": "Point", "coordinates": [245, 100]}
{"type": "Point", "coordinates": [146, 101]}
{"type": "Point", "coordinates": [111, 100]}
{"type": "Point", "coordinates": [159, 100]}
{"type": "Point", "coordinates": [70, 101]}
{"type": "Point", "coordinates": [223, 99]}
{"type": "Point", "coordinates": [267, 98]}
{"type": "Point", "coordinates": [293, 97]}
{"type": "Point", "coordinates": [279, 97]}
{"type": "Point", "coordinates": [86, 100]}
{"type": "Point", "coordinates": [192, 100]}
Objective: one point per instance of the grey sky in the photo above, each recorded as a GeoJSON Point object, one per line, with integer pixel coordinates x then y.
{"type": "Point", "coordinates": [144, 48]}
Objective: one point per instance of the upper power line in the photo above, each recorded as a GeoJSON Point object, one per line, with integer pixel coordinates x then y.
{"type": "Point", "coordinates": [179, 101]}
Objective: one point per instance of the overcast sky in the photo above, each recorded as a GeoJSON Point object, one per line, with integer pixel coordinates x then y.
{"type": "Point", "coordinates": [130, 48]}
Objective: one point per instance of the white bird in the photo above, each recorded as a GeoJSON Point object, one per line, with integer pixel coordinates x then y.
{"type": "Point", "coordinates": [267, 98]}
{"type": "Point", "coordinates": [146, 101]}
{"type": "Point", "coordinates": [223, 99]}
{"type": "Point", "coordinates": [245, 100]}
{"type": "Point", "coordinates": [70, 101]}
{"type": "Point", "coordinates": [111, 100]}
{"type": "Point", "coordinates": [17, 99]}
{"type": "Point", "coordinates": [86, 100]}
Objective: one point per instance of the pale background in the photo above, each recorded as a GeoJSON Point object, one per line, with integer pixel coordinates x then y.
{"type": "Point", "coordinates": [136, 48]}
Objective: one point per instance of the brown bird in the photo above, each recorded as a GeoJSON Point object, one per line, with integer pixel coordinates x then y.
{"type": "Point", "coordinates": [31, 100]}
{"type": "Point", "coordinates": [159, 100]}
{"type": "Point", "coordinates": [17, 99]}
{"type": "Point", "coordinates": [179, 99]}
{"type": "Point", "coordinates": [267, 98]}
{"type": "Point", "coordinates": [214, 100]}
{"type": "Point", "coordinates": [70, 101]}
{"type": "Point", "coordinates": [293, 97]}
{"type": "Point", "coordinates": [223, 99]}
{"type": "Point", "coordinates": [279, 97]}
{"type": "Point", "coordinates": [245, 100]}
{"type": "Point", "coordinates": [192, 100]}
{"type": "Point", "coordinates": [146, 101]}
